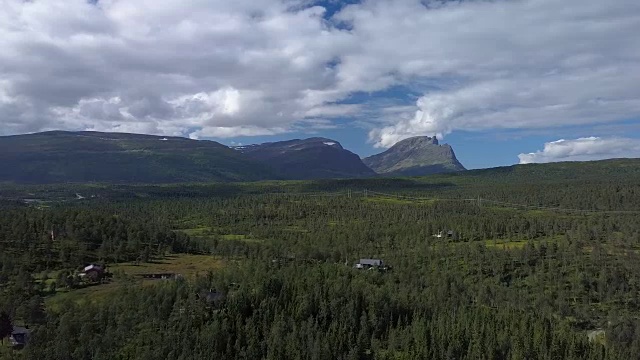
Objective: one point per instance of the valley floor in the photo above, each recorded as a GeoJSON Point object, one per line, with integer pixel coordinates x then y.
{"type": "Point", "coordinates": [472, 270]}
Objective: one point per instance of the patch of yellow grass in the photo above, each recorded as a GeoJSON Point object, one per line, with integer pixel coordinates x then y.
{"type": "Point", "coordinates": [505, 244]}
{"type": "Point", "coordinates": [199, 231]}
{"type": "Point", "coordinates": [403, 201]}
{"type": "Point", "coordinates": [185, 264]}
{"type": "Point", "coordinates": [296, 228]}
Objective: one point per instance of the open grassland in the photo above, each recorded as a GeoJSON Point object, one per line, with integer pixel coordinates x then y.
{"type": "Point", "coordinates": [187, 265]}
{"type": "Point", "coordinates": [505, 244]}
{"type": "Point", "coordinates": [510, 244]}
{"type": "Point", "coordinates": [90, 294]}
{"type": "Point", "coordinates": [399, 200]}
{"type": "Point", "coordinates": [199, 231]}
{"type": "Point", "coordinates": [209, 233]}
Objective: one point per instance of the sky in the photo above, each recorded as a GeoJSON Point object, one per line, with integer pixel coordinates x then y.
{"type": "Point", "coordinates": [502, 81]}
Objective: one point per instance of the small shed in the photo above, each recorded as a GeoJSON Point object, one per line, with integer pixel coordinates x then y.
{"type": "Point", "coordinates": [369, 264]}
{"type": "Point", "coordinates": [20, 336]}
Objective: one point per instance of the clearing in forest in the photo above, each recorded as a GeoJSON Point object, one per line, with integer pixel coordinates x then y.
{"type": "Point", "coordinates": [187, 265]}
{"type": "Point", "coordinates": [209, 233]}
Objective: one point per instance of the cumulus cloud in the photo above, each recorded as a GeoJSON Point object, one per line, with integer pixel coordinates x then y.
{"type": "Point", "coordinates": [584, 149]}
{"type": "Point", "coordinates": [223, 68]}
{"type": "Point", "coordinates": [211, 68]}
{"type": "Point", "coordinates": [500, 64]}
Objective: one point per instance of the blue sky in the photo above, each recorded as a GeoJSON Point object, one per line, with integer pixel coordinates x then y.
{"type": "Point", "coordinates": [502, 81]}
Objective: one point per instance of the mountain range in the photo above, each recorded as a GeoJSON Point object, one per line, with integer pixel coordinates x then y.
{"type": "Point", "coordinates": [86, 156]}
{"type": "Point", "coordinates": [60, 156]}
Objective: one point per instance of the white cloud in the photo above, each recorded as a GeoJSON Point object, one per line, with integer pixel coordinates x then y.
{"type": "Point", "coordinates": [499, 64]}
{"type": "Point", "coordinates": [227, 131]}
{"type": "Point", "coordinates": [333, 110]}
{"type": "Point", "coordinates": [242, 67]}
{"type": "Point", "coordinates": [584, 149]}
{"type": "Point", "coordinates": [219, 67]}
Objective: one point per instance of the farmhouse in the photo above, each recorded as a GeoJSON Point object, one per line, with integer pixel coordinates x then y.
{"type": "Point", "coordinates": [93, 272]}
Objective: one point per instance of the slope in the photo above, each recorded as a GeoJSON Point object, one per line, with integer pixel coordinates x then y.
{"type": "Point", "coordinates": [59, 156]}
{"type": "Point", "coordinates": [313, 158]}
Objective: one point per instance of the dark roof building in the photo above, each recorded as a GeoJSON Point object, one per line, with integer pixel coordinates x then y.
{"type": "Point", "coordinates": [19, 336]}
{"type": "Point", "coordinates": [371, 262]}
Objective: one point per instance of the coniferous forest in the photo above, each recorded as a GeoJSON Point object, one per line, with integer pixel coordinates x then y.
{"type": "Point", "coordinates": [476, 267]}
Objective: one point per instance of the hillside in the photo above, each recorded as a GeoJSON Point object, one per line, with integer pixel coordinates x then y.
{"type": "Point", "coordinates": [313, 158]}
{"type": "Point", "coordinates": [59, 156]}
{"type": "Point", "coordinates": [600, 170]}
{"type": "Point", "coordinates": [420, 155]}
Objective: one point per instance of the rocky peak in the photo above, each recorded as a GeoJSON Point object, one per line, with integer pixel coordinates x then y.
{"type": "Point", "coordinates": [418, 141]}
{"type": "Point", "coordinates": [420, 155]}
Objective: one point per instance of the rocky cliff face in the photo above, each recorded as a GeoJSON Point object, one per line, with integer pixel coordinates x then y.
{"type": "Point", "coordinates": [420, 155]}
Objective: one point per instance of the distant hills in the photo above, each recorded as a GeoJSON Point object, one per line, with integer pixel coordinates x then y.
{"type": "Point", "coordinates": [60, 156]}
{"type": "Point", "coordinates": [610, 170]}
{"type": "Point", "coordinates": [313, 158]}
{"type": "Point", "coordinates": [420, 155]}
{"type": "Point", "coordinates": [77, 157]}
{"type": "Point", "coordinates": [86, 156]}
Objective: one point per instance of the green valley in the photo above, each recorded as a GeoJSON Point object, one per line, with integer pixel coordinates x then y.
{"type": "Point", "coordinates": [477, 266]}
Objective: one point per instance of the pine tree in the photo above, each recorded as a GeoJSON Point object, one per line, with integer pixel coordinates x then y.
{"type": "Point", "coordinates": [6, 327]}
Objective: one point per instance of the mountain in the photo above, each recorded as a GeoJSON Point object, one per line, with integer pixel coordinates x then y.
{"type": "Point", "coordinates": [313, 158]}
{"type": "Point", "coordinates": [60, 156]}
{"type": "Point", "coordinates": [420, 155]}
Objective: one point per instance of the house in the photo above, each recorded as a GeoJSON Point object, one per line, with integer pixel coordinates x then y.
{"type": "Point", "coordinates": [93, 272]}
{"type": "Point", "coordinates": [20, 336]}
{"type": "Point", "coordinates": [370, 264]}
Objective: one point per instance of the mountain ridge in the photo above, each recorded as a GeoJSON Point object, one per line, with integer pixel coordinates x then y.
{"type": "Point", "coordinates": [88, 156]}
{"type": "Point", "coordinates": [415, 156]}
{"type": "Point", "coordinates": [310, 158]}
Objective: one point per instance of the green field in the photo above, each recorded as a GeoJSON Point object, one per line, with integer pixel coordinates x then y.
{"type": "Point", "coordinates": [208, 233]}
{"type": "Point", "coordinates": [186, 265]}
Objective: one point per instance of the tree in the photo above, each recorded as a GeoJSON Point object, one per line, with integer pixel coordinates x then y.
{"type": "Point", "coordinates": [6, 327]}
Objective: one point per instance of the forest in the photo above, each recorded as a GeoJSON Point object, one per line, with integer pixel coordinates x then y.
{"type": "Point", "coordinates": [479, 267]}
